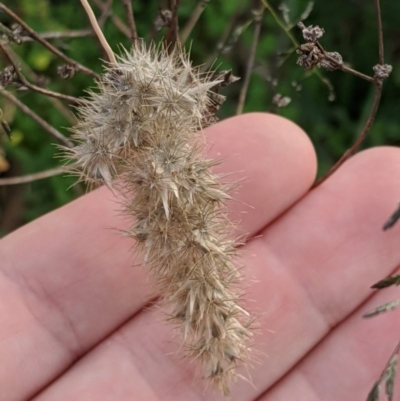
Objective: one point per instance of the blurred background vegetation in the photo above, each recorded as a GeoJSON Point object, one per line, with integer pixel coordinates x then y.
{"type": "Point", "coordinates": [331, 117]}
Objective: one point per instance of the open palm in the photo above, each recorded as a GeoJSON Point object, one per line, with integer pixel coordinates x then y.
{"type": "Point", "coordinates": [79, 320]}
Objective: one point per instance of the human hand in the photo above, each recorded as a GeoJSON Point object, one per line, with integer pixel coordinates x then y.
{"type": "Point", "coordinates": [75, 322]}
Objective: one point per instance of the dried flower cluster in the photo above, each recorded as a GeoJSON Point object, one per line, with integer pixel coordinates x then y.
{"type": "Point", "coordinates": [382, 71]}
{"type": "Point", "coordinates": [312, 54]}
{"type": "Point", "coordinates": [7, 76]}
{"type": "Point", "coordinates": [140, 134]}
{"type": "Point", "coordinates": [311, 33]}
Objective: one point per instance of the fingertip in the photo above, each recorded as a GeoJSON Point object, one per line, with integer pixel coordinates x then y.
{"type": "Point", "coordinates": [273, 159]}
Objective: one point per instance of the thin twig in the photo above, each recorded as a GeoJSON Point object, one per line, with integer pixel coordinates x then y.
{"type": "Point", "coordinates": [99, 32]}
{"type": "Point", "coordinates": [200, 6]}
{"type": "Point", "coordinates": [46, 126]}
{"type": "Point", "coordinates": [13, 37]}
{"type": "Point", "coordinates": [46, 44]}
{"type": "Point", "coordinates": [32, 177]}
{"type": "Point", "coordinates": [131, 19]}
{"type": "Point", "coordinates": [280, 22]}
{"type": "Point", "coordinates": [224, 37]}
{"type": "Point", "coordinates": [374, 109]}
{"type": "Point", "coordinates": [115, 20]}
{"type": "Point", "coordinates": [60, 35]}
{"type": "Point", "coordinates": [380, 32]}
{"type": "Point", "coordinates": [58, 104]}
{"type": "Point", "coordinates": [172, 34]}
{"type": "Point", "coordinates": [350, 152]}
{"type": "Point", "coordinates": [296, 44]}
{"type": "Point", "coordinates": [358, 74]}
{"type": "Point", "coordinates": [344, 67]}
{"type": "Point", "coordinates": [257, 29]}
{"type": "Point", "coordinates": [22, 80]}
{"type": "Point", "coordinates": [105, 13]}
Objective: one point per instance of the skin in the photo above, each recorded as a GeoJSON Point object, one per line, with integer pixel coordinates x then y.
{"type": "Point", "coordinates": [79, 320]}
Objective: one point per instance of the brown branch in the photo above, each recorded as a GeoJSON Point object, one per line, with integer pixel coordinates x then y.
{"type": "Point", "coordinates": [356, 73]}
{"type": "Point", "coordinates": [378, 81]}
{"type": "Point", "coordinates": [105, 13]}
{"type": "Point", "coordinates": [222, 41]}
{"type": "Point", "coordinates": [22, 80]}
{"type": "Point", "coordinates": [257, 29]}
{"type": "Point", "coordinates": [380, 32]}
{"type": "Point", "coordinates": [46, 126]}
{"type": "Point", "coordinates": [200, 6]}
{"type": "Point", "coordinates": [172, 34]}
{"type": "Point", "coordinates": [343, 67]}
{"type": "Point", "coordinates": [46, 44]}
{"type": "Point", "coordinates": [350, 152]}
{"type": "Point", "coordinates": [114, 19]}
{"type": "Point", "coordinates": [13, 37]}
{"type": "Point", "coordinates": [99, 33]}
{"type": "Point", "coordinates": [131, 19]}
{"type": "Point", "coordinates": [58, 104]}
{"type": "Point", "coordinates": [60, 35]}
{"type": "Point", "coordinates": [31, 177]}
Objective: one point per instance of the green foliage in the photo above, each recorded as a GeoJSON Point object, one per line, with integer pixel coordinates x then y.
{"type": "Point", "coordinates": [350, 29]}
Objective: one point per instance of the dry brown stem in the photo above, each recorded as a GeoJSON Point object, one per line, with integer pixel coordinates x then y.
{"type": "Point", "coordinates": [380, 32]}
{"type": "Point", "coordinates": [46, 44]}
{"type": "Point", "coordinates": [350, 152]}
{"type": "Point", "coordinates": [257, 29]}
{"type": "Point", "coordinates": [131, 19]}
{"type": "Point", "coordinates": [58, 104]}
{"type": "Point", "coordinates": [119, 24]}
{"type": "Point", "coordinates": [31, 177]}
{"type": "Point", "coordinates": [378, 81]}
{"type": "Point", "coordinates": [198, 10]}
{"type": "Point", "coordinates": [79, 33]}
{"type": "Point", "coordinates": [23, 81]}
{"type": "Point", "coordinates": [105, 13]}
{"type": "Point", "coordinates": [46, 126]}
{"type": "Point", "coordinates": [344, 67]}
{"type": "Point", "coordinates": [221, 42]}
{"type": "Point", "coordinates": [173, 34]}
{"type": "Point", "coordinates": [99, 33]}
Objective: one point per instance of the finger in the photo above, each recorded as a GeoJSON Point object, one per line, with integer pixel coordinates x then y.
{"type": "Point", "coordinates": [312, 268]}
{"type": "Point", "coordinates": [68, 280]}
{"type": "Point", "coordinates": [348, 362]}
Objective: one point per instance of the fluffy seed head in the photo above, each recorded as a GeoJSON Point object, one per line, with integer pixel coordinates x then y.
{"type": "Point", "coordinates": [140, 134]}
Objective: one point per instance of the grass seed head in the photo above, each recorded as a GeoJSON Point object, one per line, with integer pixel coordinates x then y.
{"type": "Point", "coordinates": [140, 134]}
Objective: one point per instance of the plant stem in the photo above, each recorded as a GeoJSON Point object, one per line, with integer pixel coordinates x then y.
{"type": "Point", "coordinates": [115, 20]}
{"type": "Point", "coordinates": [98, 31]}
{"type": "Point", "coordinates": [380, 31]}
{"type": "Point", "coordinates": [131, 19]}
{"type": "Point", "coordinates": [350, 152]}
{"type": "Point", "coordinates": [374, 109]}
{"type": "Point", "coordinates": [172, 34]}
{"type": "Point", "coordinates": [200, 6]}
{"type": "Point", "coordinates": [280, 22]}
{"type": "Point", "coordinates": [46, 44]}
{"type": "Point", "coordinates": [31, 177]}
{"type": "Point", "coordinates": [79, 33]}
{"type": "Point", "coordinates": [24, 82]}
{"type": "Point", "coordinates": [250, 63]}
{"type": "Point", "coordinates": [46, 126]}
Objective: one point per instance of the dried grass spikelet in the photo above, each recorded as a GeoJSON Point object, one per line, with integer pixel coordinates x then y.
{"type": "Point", "coordinates": [141, 134]}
